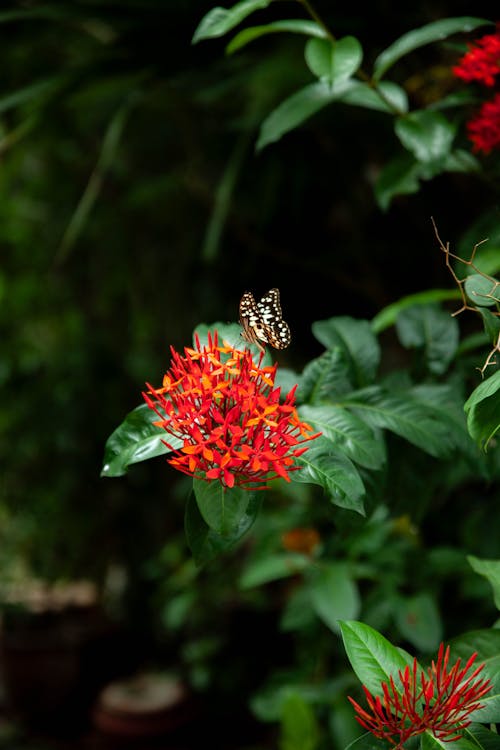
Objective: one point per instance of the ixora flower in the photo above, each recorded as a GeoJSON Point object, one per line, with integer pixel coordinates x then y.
{"type": "Point", "coordinates": [481, 62]}
{"type": "Point", "coordinates": [484, 129]}
{"type": "Point", "coordinates": [438, 701]}
{"type": "Point", "coordinates": [227, 411]}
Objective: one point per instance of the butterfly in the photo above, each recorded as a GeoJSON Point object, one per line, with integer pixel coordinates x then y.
{"type": "Point", "coordinates": [262, 322]}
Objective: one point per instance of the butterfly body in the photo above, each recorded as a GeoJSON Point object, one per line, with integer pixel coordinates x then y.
{"type": "Point", "coordinates": [262, 321]}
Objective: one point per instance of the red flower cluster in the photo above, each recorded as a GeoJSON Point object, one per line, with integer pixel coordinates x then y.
{"type": "Point", "coordinates": [481, 62]}
{"type": "Point", "coordinates": [484, 128]}
{"type": "Point", "coordinates": [438, 703]}
{"type": "Point", "coordinates": [227, 411]}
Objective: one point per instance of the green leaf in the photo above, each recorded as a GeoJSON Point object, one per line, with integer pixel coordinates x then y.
{"type": "Point", "coordinates": [347, 432]}
{"type": "Point", "coordinates": [293, 111]}
{"type": "Point", "coordinates": [34, 91]}
{"type": "Point", "coordinates": [419, 623]}
{"type": "Point", "coordinates": [325, 377]}
{"type": "Point", "coordinates": [483, 411]}
{"type": "Point", "coordinates": [490, 569]}
{"type": "Point", "coordinates": [334, 594]}
{"type": "Point", "coordinates": [333, 61]}
{"type": "Point", "coordinates": [430, 742]}
{"type": "Point", "coordinates": [491, 324]}
{"type": "Point", "coordinates": [372, 657]}
{"type": "Point", "coordinates": [136, 439]}
{"type": "Point", "coordinates": [356, 339]}
{"type": "Point", "coordinates": [299, 728]}
{"type": "Point", "coordinates": [219, 21]}
{"type": "Point", "coordinates": [400, 176]}
{"type": "Point", "coordinates": [387, 316]}
{"type": "Point", "coordinates": [292, 25]}
{"type": "Point", "coordinates": [386, 97]}
{"type": "Point", "coordinates": [273, 568]}
{"type": "Point", "coordinates": [432, 32]}
{"type": "Point", "coordinates": [427, 135]}
{"type": "Point", "coordinates": [483, 738]}
{"type": "Point", "coordinates": [433, 331]}
{"type": "Point", "coordinates": [324, 466]}
{"type": "Point", "coordinates": [482, 291]}
{"type": "Point", "coordinates": [204, 543]}
{"type": "Point", "coordinates": [406, 415]}
{"type": "Point", "coordinates": [222, 508]}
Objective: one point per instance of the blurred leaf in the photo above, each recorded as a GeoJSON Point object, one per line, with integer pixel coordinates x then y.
{"type": "Point", "coordinates": [386, 97]}
{"type": "Point", "coordinates": [334, 594]}
{"type": "Point", "coordinates": [356, 339]}
{"type": "Point", "coordinates": [333, 61]}
{"type": "Point", "coordinates": [106, 158]}
{"type": "Point", "coordinates": [483, 411]}
{"type": "Point", "coordinates": [272, 567]}
{"type": "Point", "coordinates": [388, 315]}
{"type": "Point", "coordinates": [482, 291]}
{"type": "Point", "coordinates": [299, 728]}
{"type": "Point", "coordinates": [427, 135]}
{"type": "Point", "coordinates": [222, 508]}
{"type": "Point", "coordinates": [37, 90]}
{"type": "Point", "coordinates": [292, 25]}
{"type": "Point", "coordinates": [136, 439]}
{"type": "Point", "coordinates": [419, 623]}
{"type": "Point", "coordinates": [219, 21]}
{"type": "Point", "coordinates": [399, 176]}
{"type": "Point", "coordinates": [462, 161]}
{"type": "Point", "coordinates": [432, 32]}
{"type": "Point", "coordinates": [490, 569]}
{"type": "Point", "coordinates": [373, 658]}
{"type": "Point", "coordinates": [347, 432]}
{"type": "Point", "coordinates": [321, 464]}
{"type": "Point", "coordinates": [204, 543]}
{"type": "Point", "coordinates": [491, 324]}
{"type": "Point", "coordinates": [433, 331]}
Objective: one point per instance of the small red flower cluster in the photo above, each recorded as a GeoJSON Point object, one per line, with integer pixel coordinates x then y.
{"type": "Point", "coordinates": [227, 411]}
{"type": "Point", "coordinates": [481, 63]}
{"type": "Point", "coordinates": [438, 703]}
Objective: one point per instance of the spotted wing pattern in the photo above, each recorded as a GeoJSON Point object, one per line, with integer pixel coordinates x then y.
{"type": "Point", "coordinates": [262, 322]}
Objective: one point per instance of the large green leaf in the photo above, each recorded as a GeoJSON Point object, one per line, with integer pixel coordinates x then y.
{"type": "Point", "coordinates": [399, 176]}
{"type": "Point", "coordinates": [433, 331]}
{"type": "Point", "coordinates": [432, 32]}
{"type": "Point", "coordinates": [406, 415]}
{"type": "Point", "coordinates": [219, 21]}
{"type": "Point", "coordinates": [321, 464]}
{"type": "Point", "coordinates": [348, 433]}
{"type": "Point", "coordinates": [222, 508]}
{"type": "Point", "coordinates": [204, 543]}
{"type": "Point", "coordinates": [385, 97]}
{"type": "Point", "coordinates": [333, 61]}
{"type": "Point", "coordinates": [427, 135]}
{"type": "Point", "coordinates": [483, 411]}
{"type": "Point", "coordinates": [334, 594]}
{"type": "Point", "coordinates": [325, 378]}
{"type": "Point", "coordinates": [356, 339]}
{"type": "Point", "coordinates": [482, 291]}
{"type": "Point", "coordinates": [490, 569]}
{"type": "Point", "coordinates": [136, 439]}
{"type": "Point", "coordinates": [430, 742]}
{"type": "Point", "coordinates": [293, 111]}
{"type": "Point", "coordinates": [291, 25]}
{"type": "Point", "coordinates": [373, 658]}
{"type": "Point", "coordinates": [483, 738]}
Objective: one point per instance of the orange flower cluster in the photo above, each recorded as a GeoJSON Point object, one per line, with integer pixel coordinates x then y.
{"type": "Point", "coordinates": [227, 411]}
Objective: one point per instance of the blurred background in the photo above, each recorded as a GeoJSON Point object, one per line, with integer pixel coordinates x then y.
{"type": "Point", "coordinates": [134, 206]}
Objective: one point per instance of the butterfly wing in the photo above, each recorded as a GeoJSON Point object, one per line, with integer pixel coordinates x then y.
{"type": "Point", "coordinates": [262, 322]}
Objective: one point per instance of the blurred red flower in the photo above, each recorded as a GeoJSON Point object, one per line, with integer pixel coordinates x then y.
{"type": "Point", "coordinates": [482, 60]}
{"type": "Point", "coordinates": [484, 129]}
{"type": "Point", "coordinates": [227, 411]}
